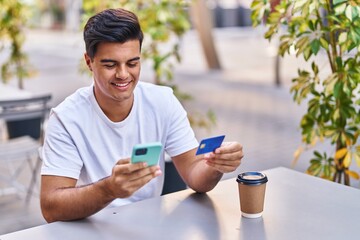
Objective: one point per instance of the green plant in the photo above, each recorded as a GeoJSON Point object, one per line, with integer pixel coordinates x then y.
{"type": "Point", "coordinates": [331, 28]}
{"type": "Point", "coordinates": [13, 16]}
{"type": "Point", "coordinates": [163, 22]}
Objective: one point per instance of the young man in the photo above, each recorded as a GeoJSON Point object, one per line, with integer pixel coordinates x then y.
{"type": "Point", "coordinates": [90, 136]}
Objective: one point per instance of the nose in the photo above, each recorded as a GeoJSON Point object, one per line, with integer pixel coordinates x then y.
{"type": "Point", "coordinates": [122, 73]}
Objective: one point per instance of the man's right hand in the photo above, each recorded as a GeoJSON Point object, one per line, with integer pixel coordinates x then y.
{"type": "Point", "coordinates": [127, 178]}
{"type": "Point", "coordinates": [62, 200]}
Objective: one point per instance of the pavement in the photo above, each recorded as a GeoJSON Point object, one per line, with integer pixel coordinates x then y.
{"type": "Point", "coordinates": [249, 108]}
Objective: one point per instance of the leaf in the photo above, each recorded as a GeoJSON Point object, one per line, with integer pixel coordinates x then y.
{"type": "Point", "coordinates": [357, 159]}
{"type": "Point", "coordinates": [353, 174]}
{"type": "Point", "coordinates": [318, 155]}
{"type": "Point", "coordinates": [315, 46]}
{"type": "Point", "coordinates": [339, 62]}
{"type": "Point", "coordinates": [336, 2]}
{"type": "Point", "coordinates": [302, 43]}
{"type": "Point", "coordinates": [314, 168]}
{"type": "Point", "coordinates": [348, 13]}
{"type": "Point", "coordinates": [297, 154]}
{"type": "Point", "coordinates": [342, 37]}
{"type": "Point", "coordinates": [324, 43]}
{"type": "Point", "coordinates": [303, 28]}
{"type": "Point", "coordinates": [307, 54]}
{"type": "Point", "coordinates": [328, 133]}
{"type": "Point", "coordinates": [341, 153]}
{"type": "Point", "coordinates": [329, 87]}
{"type": "Point", "coordinates": [326, 170]}
{"type": "Point", "coordinates": [315, 161]}
{"type": "Point", "coordinates": [358, 149]}
{"type": "Point", "coordinates": [337, 88]}
{"type": "Point", "coordinates": [270, 32]}
{"type": "Point", "coordinates": [347, 160]}
{"type": "Point", "coordinates": [339, 9]}
{"type": "Point", "coordinates": [299, 4]}
{"type": "Point", "coordinates": [348, 142]}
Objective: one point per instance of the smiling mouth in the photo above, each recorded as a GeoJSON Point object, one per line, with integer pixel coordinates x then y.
{"type": "Point", "coordinates": [121, 85]}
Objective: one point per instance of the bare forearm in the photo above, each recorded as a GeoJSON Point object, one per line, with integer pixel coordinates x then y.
{"type": "Point", "coordinates": [75, 202]}
{"type": "Point", "coordinates": [203, 178]}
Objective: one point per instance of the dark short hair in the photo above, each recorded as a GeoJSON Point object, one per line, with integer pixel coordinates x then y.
{"type": "Point", "coordinates": [111, 25]}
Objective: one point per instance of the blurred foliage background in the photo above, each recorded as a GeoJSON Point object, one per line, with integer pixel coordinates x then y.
{"type": "Point", "coordinates": [163, 22]}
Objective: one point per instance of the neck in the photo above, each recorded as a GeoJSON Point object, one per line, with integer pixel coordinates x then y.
{"type": "Point", "coordinates": [119, 111]}
{"type": "Point", "coordinates": [116, 111]}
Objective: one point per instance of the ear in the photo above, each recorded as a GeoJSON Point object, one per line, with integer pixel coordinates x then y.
{"type": "Point", "coordinates": [88, 61]}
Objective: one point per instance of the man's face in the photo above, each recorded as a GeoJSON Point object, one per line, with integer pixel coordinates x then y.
{"type": "Point", "coordinates": [116, 70]}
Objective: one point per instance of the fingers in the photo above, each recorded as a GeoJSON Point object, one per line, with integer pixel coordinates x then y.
{"type": "Point", "coordinates": [223, 165]}
{"type": "Point", "coordinates": [128, 178]}
{"type": "Point", "coordinates": [124, 166]}
{"type": "Point", "coordinates": [229, 147]}
{"type": "Point", "coordinates": [136, 170]}
{"type": "Point", "coordinates": [123, 161]}
{"type": "Point", "coordinates": [221, 168]}
{"type": "Point", "coordinates": [145, 173]}
{"type": "Point", "coordinates": [226, 158]}
{"type": "Point", "coordinates": [141, 177]}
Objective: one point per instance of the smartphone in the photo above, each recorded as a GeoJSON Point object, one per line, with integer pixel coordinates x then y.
{"type": "Point", "coordinates": [148, 152]}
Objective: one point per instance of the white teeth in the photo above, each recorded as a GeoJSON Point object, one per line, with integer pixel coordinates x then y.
{"type": "Point", "coordinates": [121, 84]}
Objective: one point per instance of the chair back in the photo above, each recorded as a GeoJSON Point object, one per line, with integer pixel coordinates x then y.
{"type": "Point", "coordinates": [16, 112]}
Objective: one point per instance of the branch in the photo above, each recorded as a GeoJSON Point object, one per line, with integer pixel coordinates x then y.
{"type": "Point", "coordinates": [332, 37]}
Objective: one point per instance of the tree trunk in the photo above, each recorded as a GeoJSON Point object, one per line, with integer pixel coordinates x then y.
{"type": "Point", "coordinates": [203, 24]}
{"type": "Point", "coordinates": [19, 74]}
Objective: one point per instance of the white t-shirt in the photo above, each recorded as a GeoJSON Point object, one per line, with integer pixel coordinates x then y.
{"type": "Point", "coordinates": [82, 143]}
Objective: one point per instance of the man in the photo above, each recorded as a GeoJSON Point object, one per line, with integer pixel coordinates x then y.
{"type": "Point", "coordinates": [90, 136]}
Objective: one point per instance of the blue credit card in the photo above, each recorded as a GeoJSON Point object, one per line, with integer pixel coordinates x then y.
{"type": "Point", "coordinates": [210, 144]}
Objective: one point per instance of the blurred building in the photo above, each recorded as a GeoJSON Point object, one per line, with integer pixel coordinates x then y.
{"type": "Point", "coordinates": [57, 14]}
{"type": "Point", "coordinates": [66, 14]}
{"type": "Point", "coordinates": [230, 13]}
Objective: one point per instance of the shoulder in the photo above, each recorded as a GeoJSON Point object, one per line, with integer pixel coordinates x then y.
{"type": "Point", "coordinates": [150, 88]}
{"type": "Point", "coordinates": [154, 94]}
{"type": "Point", "coordinates": [77, 102]}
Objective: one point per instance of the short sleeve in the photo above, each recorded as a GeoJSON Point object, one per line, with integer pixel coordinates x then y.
{"type": "Point", "coordinates": [59, 154]}
{"type": "Point", "coordinates": [181, 137]}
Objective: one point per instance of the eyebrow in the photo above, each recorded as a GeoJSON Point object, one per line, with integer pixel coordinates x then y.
{"type": "Point", "coordinates": [114, 61]}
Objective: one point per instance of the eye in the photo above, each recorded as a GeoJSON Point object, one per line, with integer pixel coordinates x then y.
{"type": "Point", "coordinates": [133, 64]}
{"type": "Point", "coordinates": [109, 65]}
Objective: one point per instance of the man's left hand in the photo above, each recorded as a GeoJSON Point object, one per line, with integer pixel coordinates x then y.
{"type": "Point", "coordinates": [226, 158]}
